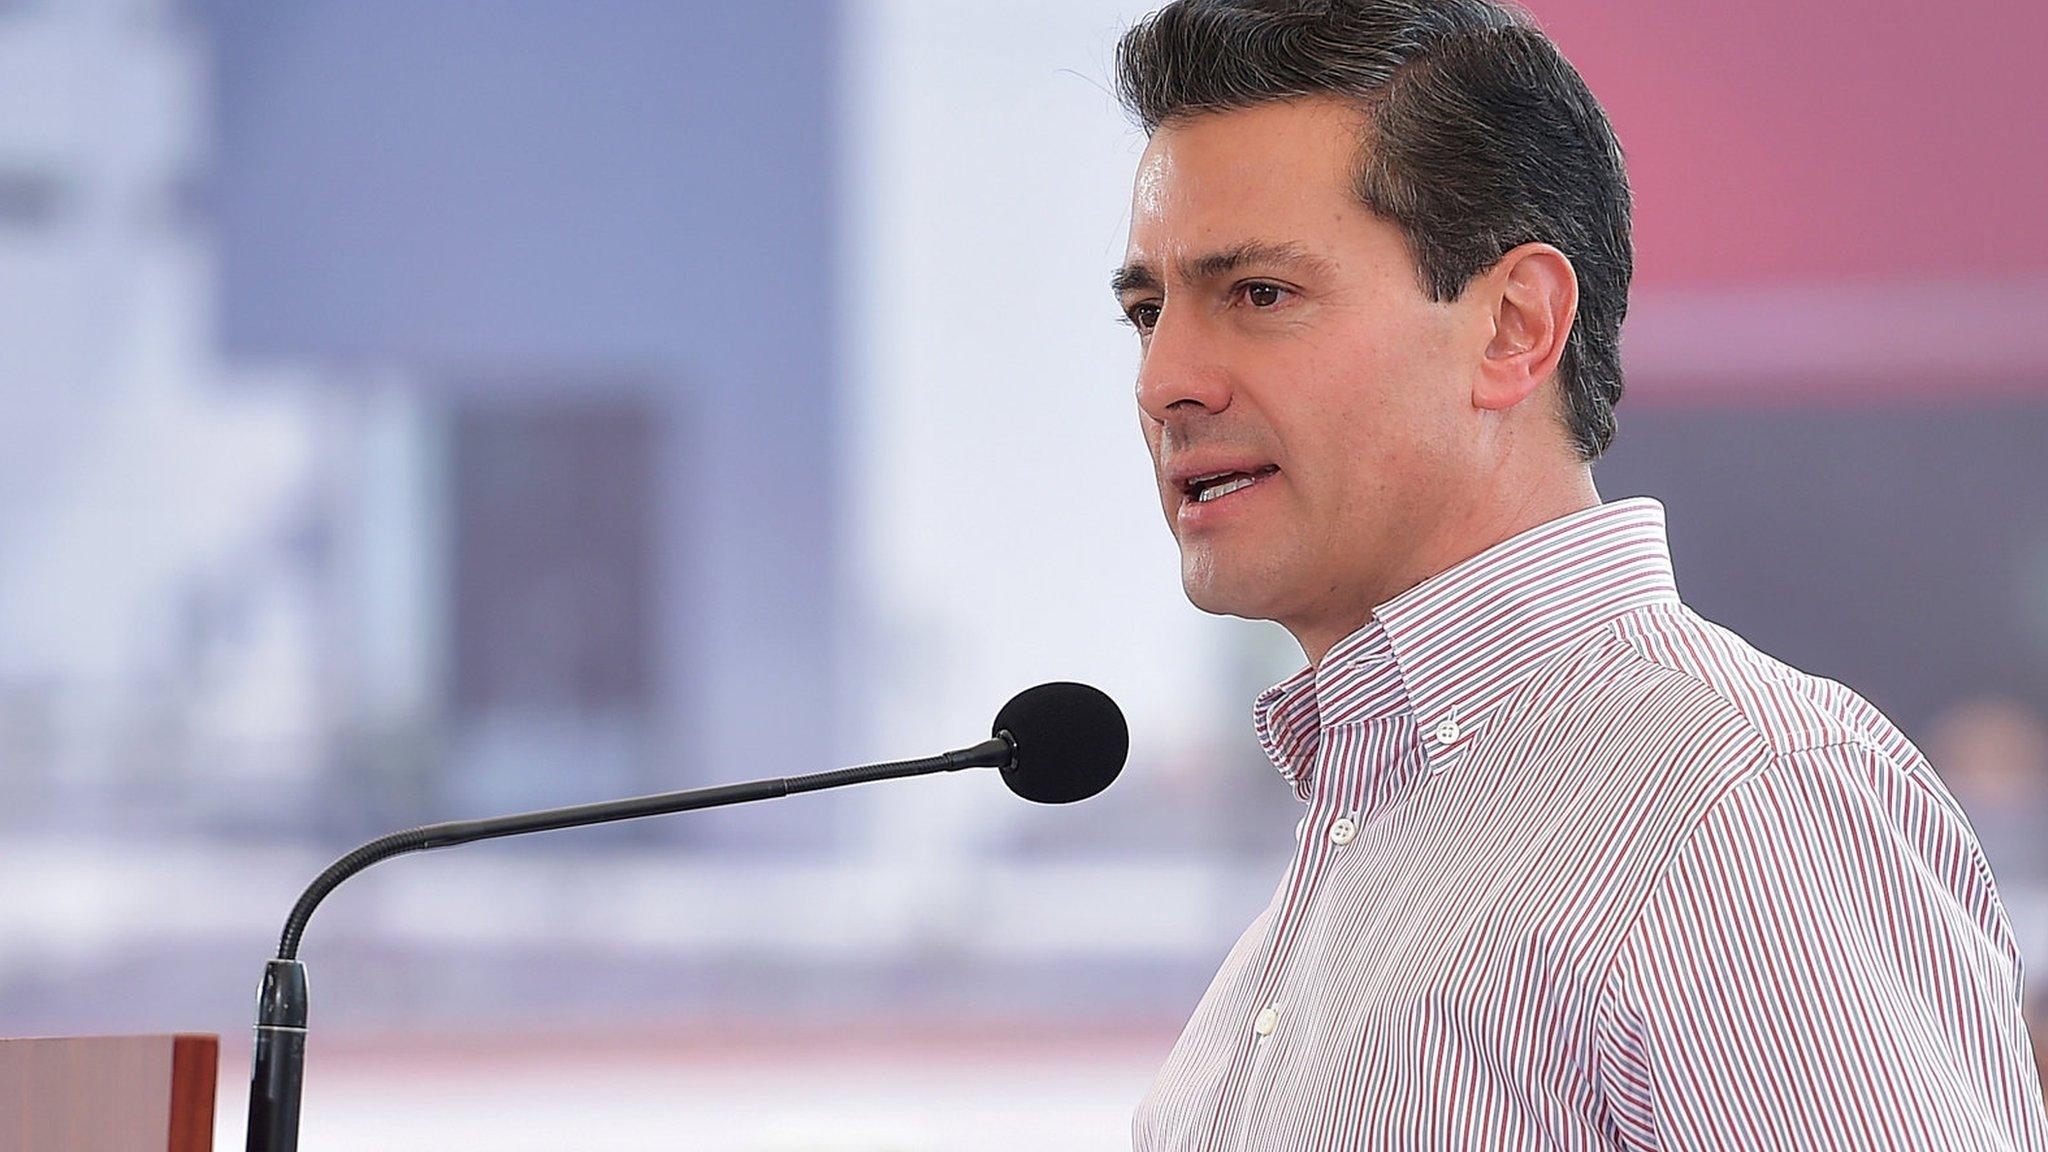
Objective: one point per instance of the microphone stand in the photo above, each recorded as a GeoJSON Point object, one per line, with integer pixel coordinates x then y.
{"type": "Point", "coordinates": [280, 1061]}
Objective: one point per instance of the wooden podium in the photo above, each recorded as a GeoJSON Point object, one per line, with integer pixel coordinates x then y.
{"type": "Point", "coordinates": [108, 1094]}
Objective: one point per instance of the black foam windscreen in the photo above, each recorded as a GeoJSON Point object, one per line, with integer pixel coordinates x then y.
{"type": "Point", "coordinates": [1071, 742]}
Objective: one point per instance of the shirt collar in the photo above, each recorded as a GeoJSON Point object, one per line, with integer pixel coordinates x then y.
{"type": "Point", "coordinates": [1448, 651]}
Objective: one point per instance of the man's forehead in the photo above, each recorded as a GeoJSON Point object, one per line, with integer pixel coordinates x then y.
{"type": "Point", "coordinates": [1296, 135]}
{"type": "Point", "coordinates": [1222, 179]}
{"type": "Point", "coordinates": [1187, 177]}
{"type": "Point", "coordinates": [1148, 191]}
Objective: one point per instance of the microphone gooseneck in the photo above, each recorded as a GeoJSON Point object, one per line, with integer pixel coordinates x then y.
{"type": "Point", "coordinates": [991, 753]}
{"type": "Point", "coordinates": [1055, 743]}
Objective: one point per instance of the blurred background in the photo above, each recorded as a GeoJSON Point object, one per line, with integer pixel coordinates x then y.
{"type": "Point", "coordinates": [426, 409]}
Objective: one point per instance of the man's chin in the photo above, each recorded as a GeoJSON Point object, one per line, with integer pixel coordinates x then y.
{"type": "Point", "coordinates": [1226, 597]}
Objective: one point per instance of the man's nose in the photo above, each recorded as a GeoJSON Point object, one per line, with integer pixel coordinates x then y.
{"type": "Point", "coordinates": [1181, 372]}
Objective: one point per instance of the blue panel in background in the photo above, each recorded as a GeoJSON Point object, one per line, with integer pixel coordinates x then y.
{"type": "Point", "coordinates": [519, 196]}
{"type": "Point", "coordinates": [430, 180]}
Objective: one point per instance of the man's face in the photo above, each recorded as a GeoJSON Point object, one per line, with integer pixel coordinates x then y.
{"type": "Point", "coordinates": [1287, 338]}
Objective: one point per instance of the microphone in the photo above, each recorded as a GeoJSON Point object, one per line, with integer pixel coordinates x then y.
{"type": "Point", "coordinates": [1054, 744]}
{"type": "Point", "coordinates": [1076, 744]}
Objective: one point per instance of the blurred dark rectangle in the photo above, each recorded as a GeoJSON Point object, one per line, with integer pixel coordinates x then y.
{"type": "Point", "coordinates": [30, 197]}
{"type": "Point", "coordinates": [552, 589]}
{"type": "Point", "coordinates": [1900, 548]}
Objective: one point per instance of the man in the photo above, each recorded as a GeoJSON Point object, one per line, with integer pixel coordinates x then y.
{"type": "Point", "coordinates": [1580, 869]}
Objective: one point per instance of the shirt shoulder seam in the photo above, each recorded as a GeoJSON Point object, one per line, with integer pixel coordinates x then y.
{"type": "Point", "coordinates": [1808, 739]}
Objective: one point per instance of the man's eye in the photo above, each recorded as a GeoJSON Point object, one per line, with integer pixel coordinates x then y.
{"type": "Point", "coordinates": [1143, 317]}
{"type": "Point", "coordinates": [1263, 295]}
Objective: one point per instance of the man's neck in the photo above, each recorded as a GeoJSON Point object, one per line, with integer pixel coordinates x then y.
{"type": "Point", "coordinates": [1485, 524]}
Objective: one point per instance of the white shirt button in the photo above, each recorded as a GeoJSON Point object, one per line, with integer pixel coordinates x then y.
{"type": "Point", "coordinates": [1268, 1020]}
{"type": "Point", "coordinates": [1448, 732]}
{"type": "Point", "coordinates": [1342, 830]}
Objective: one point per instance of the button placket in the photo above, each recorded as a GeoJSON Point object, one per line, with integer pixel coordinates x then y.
{"type": "Point", "coordinates": [1335, 817]}
{"type": "Point", "coordinates": [1310, 859]}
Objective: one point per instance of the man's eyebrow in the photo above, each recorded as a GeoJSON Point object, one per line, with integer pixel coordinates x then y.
{"type": "Point", "coordinates": [1213, 265]}
{"type": "Point", "coordinates": [1133, 278]}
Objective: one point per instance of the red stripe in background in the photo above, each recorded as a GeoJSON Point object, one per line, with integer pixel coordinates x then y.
{"type": "Point", "coordinates": [1873, 140]}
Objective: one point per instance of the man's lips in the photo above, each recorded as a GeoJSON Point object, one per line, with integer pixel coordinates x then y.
{"type": "Point", "coordinates": [1206, 495]}
{"type": "Point", "coordinates": [1194, 476]}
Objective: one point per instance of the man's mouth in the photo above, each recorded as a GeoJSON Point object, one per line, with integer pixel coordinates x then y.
{"type": "Point", "coordinates": [1203, 489]}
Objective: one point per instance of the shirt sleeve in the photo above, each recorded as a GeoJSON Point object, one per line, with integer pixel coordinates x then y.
{"type": "Point", "coordinates": [1823, 965]}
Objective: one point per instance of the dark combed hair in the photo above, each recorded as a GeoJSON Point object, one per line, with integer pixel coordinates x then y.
{"type": "Point", "coordinates": [1480, 137]}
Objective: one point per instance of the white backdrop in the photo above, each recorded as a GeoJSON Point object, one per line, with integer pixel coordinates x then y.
{"type": "Point", "coordinates": [1006, 529]}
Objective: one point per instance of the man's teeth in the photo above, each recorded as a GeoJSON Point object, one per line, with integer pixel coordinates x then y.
{"type": "Point", "coordinates": [1225, 489]}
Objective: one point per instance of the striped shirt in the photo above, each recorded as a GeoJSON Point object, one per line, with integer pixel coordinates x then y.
{"type": "Point", "coordinates": [1581, 870]}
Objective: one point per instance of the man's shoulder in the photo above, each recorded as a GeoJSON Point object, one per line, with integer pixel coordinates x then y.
{"type": "Point", "coordinates": [1818, 736]}
{"type": "Point", "coordinates": [1787, 710]}
{"type": "Point", "coordinates": [1815, 747]}
{"type": "Point", "coordinates": [1691, 714]}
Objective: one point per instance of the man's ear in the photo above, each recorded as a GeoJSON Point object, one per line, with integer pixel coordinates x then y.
{"type": "Point", "coordinates": [1534, 296]}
